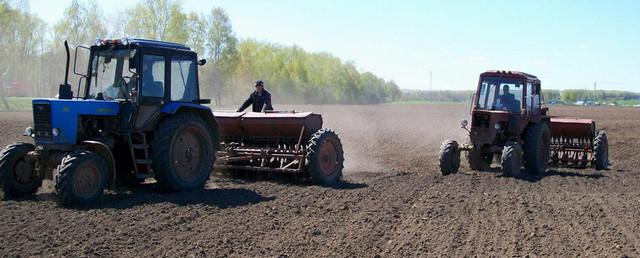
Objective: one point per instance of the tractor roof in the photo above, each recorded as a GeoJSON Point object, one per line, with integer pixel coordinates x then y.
{"type": "Point", "coordinates": [156, 43]}
{"type": "Point", "coordinates": [141, 43]}
{"type": "Point", "coordinates": [517, 73]}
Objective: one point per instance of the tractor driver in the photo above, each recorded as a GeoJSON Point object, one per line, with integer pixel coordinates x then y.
{"type": "Point", "coordinates": [260, 99]}
{"type": "Point", "coordinates": [508, 101]}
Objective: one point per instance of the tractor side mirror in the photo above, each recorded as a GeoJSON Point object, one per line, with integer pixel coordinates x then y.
{"type": "Point", "coordinates": [202, 61]}
{"type": "Point", "coordinates": [84, 55]}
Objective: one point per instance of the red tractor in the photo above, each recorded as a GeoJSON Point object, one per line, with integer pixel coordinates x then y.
{"type": "Point", "coordinates": [508, 119]}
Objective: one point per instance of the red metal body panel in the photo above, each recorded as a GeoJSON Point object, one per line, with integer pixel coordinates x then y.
{"type": "Point", "coordinates": [276, 124]}
{"type": "Point", "coordinates": [572, 127]}
{"type": "Point", "coordinates": [485, 133]}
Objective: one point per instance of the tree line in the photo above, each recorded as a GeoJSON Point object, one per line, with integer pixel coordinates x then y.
{"type": "Point", "coordinates": [567, 96]}
{"type": "Point", "coordinates": [32, 55]}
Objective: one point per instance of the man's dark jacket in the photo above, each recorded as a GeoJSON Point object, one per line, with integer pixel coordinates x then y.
{"type": "Point", "coordinates": [510, 102]}
{"type": "Point", "coordinates": [257, 101]}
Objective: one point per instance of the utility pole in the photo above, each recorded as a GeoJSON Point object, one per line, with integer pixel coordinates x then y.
{"type": "Point", "coordinates": [594, 92]}
{"type": "Point", "coordinates": [430, 81]}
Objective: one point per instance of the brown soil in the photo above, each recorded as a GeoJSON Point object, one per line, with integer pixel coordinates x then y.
{"type": "Point", "coordinates": [394, 202]}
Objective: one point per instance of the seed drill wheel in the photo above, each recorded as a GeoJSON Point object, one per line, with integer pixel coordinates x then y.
{"type": "Point", "coordinates": [17, 176]}
{"type": "Point", "coordinates": [511, 159]}
{"type": "Point", "coordinates": [601, 151]}
{"type": "Point", "coordinates": [325, 157]}
{"type": "Point", "coordinates": [81, 179]}
{"type": "Point", "coordinates": [182, 153]}
{"type": "Point", "coordinates": [449, 157]}
{"type": "Point", "coordinates": [479, 160]}
{"type": "Point", "coordinates": [537, 148]}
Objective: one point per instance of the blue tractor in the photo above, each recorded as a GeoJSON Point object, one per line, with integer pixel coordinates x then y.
{"type": "Point", "coordinates": [136, 114]}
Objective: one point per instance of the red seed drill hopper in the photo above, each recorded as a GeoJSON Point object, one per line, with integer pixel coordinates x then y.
{"type": "Point", "coordinates": [280, 141]}
{"type": "Point", "coordinates": [575, 143]}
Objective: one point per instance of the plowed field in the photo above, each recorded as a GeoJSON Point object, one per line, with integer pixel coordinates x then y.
{"type": "Point", "coordinates": [393, 203]}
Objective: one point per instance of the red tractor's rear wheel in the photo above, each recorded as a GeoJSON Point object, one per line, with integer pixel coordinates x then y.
{"type": "Point", "coordinates": [325, 157]}
{"type": "Point", "coordinates": [601, 151]}
{"type": "Point", "coordinates": [449, 157]}
{"type": "Point", "coordinates": [537, 148]}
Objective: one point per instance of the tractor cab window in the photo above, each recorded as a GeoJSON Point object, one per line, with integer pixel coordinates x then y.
{"type": "Point", "coordinates": [500, 93]}
{"type": "Point", "coordinates": [153, 76]}
{"type": "Point", "coordinates": [532, 98]}
{"type": "Point", "coordinates": [109, 70]}
{"type": "Point", "coordinates": [183, 79]}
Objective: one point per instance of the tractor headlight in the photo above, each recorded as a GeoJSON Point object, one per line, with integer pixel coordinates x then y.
{"type": "Point", "coordinates": [55, 131]}
{"type": "Point", "coordinates": [28, 132]}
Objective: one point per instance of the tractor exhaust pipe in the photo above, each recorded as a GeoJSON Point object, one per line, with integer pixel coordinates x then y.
{"type": "Point", "coordinates": [65, 92]}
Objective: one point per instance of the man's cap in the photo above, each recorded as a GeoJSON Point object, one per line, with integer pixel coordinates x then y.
{"type": "Point", "coordinates": [260, 83]}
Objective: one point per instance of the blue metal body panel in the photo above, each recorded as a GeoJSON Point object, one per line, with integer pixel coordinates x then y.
{"type": "Point", "coordinates": [65, 113]}
{"type": "Point", "coordinates": [172, 107]}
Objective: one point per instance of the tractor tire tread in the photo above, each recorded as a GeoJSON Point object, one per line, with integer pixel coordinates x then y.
{"type": "Point", "coordinates": [160, 153]}
{"type": "Point", "coordinates": [64, 178]}
{"type": "Point", "coordinates": [511, 158]}
{"type": "Point", "coordinates": [313, 150]}
{"type": "Point", "coordinates": [532, 146]}
{"type": "Point", "coordinates": [449, 160]}
{"type": "Point", "coordinates": [8, 157]}
{"type": "Point", "coordinates": [601, 151]}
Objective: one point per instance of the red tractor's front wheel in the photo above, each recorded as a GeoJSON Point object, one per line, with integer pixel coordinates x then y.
{"type": "Point", "coordinates": [449, 157]}
{"type": "Point", "coordinates": [511, 158]}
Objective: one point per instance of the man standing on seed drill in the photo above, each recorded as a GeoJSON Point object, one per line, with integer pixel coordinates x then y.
{"type": "Point", "coordinates": [260, 99]}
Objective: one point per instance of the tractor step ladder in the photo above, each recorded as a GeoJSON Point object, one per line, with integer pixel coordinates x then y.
{"type": "Point", "coordinates": [140, 154]}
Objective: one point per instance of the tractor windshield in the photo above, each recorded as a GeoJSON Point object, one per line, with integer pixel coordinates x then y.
{"type": "Point", "coordinates": [500, 93]}
{"type": "Point", "coordinates": [109, 69]}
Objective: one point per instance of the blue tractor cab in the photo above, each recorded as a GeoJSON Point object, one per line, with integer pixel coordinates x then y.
{"type": "Point", "coordinates": [136, 114]}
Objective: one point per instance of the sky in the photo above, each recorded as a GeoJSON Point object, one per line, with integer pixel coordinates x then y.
{"type": "Point", "coordinates": [442, 45]}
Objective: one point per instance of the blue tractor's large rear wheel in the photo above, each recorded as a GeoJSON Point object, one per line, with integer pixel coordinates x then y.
{"type": "Point", "coordinates": [17, 176]}
{"type": "Point", "coordinates": [182, 152]}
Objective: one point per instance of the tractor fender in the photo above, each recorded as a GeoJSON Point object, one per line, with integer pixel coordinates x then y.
{"type": "Point", "coordinates": [104, 152]}
{"type": "Point", "coordinates": [203, 112]}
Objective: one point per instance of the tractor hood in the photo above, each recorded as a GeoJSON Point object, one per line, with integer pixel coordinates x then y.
{"type": "Point", "coordinates": [56, 120]}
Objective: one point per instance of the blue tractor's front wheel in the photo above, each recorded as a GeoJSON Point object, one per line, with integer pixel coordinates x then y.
{"type": "Point", "coordinates": [81, 179]}
{"type": "Point", "coordinates": [18, 176]}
